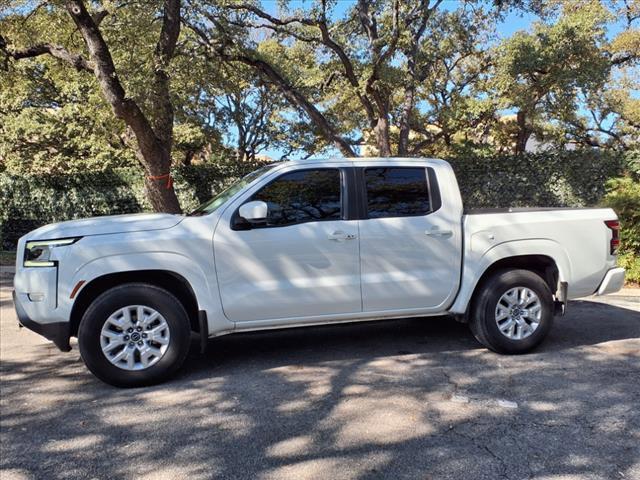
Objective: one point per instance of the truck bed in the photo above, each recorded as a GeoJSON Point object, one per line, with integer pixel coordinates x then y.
{"type": "Point", "coordinates": [577, 239]}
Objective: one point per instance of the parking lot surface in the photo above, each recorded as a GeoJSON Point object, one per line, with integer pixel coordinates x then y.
{"type": "Point", "coordinates": [414, 398]}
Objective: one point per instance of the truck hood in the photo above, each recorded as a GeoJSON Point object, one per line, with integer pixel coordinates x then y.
{"type": "Point", "coordinates": [105, 225]}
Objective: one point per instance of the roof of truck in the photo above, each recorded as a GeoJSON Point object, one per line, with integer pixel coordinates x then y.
{"type": "Point", "coordinates": [368, 159]}
{"type": "Point", "coordinates": [360, 159]}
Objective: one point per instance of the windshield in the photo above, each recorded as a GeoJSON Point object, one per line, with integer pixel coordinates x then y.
{"type": "Point", "coordinates": [215, 203]}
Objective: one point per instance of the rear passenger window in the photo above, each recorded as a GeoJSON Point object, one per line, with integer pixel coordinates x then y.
{"type": "Point", "coordinates": [303, 196]}
{"type": "Point", "coordinates": [397, 192]}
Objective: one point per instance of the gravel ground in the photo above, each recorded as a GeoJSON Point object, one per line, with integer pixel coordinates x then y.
{"type": "Point", "coordinates": [415, 398]}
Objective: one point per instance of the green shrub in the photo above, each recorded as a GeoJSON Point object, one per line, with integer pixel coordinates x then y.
{"type": "Point", "coordinates": [549, 179]}
{"type": "Point", "coordinates": [632, 163]}
{"type": "Point", "coordinates": [29, 201]}
{"type": "Point", "coordinates": [623, 195]}
{"type": "Point", "coordinates": [631, 263]}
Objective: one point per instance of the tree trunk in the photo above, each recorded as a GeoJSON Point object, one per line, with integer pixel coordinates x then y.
{"type": "Point", "coordinates": [159, 183]}
{"type": "Point", "coordinates": [524, 132]}
{"type": "Point", "coordinates": [161, 194]}
{"type": "Point", "coordinates": [382, 136]}
{"type": "Point", "coordinates": [154, 145]}
{"type": "Point", "coordinates": [405, 117]}
{"type": "Point", "coordinates": [188, 157]}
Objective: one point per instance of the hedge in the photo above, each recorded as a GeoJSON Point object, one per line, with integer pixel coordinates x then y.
{"type": "Point", "coordinates": [549, 179]}
{"type": "Point", "coordinates": [29, 201]}
{"type": "Point", "coordinates": [560, 179]}
{"type": "Point", "coordinates": [623, 196]}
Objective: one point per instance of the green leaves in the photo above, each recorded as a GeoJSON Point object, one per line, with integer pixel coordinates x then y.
{"type": "Point", "coordinates": [31, 200]}
{"type": "Point", "coordinates": [571, 74]}
{"type": "Point", "coordinates": [623, 195]}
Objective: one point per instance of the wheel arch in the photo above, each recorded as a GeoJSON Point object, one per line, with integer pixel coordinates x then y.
{"type": "Point", "coordinates": [168, 280]}
{"type": "Point", "coordinates": [552, 265]}
{"type": "Point", "coordinates": [542, 265]}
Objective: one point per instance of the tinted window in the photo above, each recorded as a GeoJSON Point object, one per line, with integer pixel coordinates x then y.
{"type": "Point", "coordinates": [396, 192]}
{"type": "Point", "coordinates": [302, 196]}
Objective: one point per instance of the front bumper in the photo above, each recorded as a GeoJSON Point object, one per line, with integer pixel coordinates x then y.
{"type": "Point", "coordinates": [612, 282]}
{"type": "Point", "coordinates": [57, 332]}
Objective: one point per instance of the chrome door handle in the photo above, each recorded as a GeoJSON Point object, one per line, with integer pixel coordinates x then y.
{"type": "Point", "coordinates": [436, 232]}
{"type": "Point", "coordinates": [341, 236]}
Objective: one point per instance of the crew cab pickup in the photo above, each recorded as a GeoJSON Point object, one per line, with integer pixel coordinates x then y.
{"type": "Point", "coordinates": [306, 243]}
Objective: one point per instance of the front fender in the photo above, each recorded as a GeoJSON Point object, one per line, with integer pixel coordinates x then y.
{"type": "Point", "coordinates": [202, 283]}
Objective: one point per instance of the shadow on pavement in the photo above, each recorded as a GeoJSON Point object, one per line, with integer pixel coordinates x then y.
{"type": "Point", "coordinates": [416, 398]}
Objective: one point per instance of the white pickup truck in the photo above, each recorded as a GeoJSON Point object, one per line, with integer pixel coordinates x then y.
{"type": "Point", "coordinates": [308, 243]}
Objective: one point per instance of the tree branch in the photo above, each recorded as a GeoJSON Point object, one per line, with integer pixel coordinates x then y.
{"type": "Point", "coordinates": [265, 16]}
{"type": "Point", "coordinates": [279, 25]}
{"type": "Point", "coordinates": [618, 60]}
{"type": "Point", "coordinates": [274, 77]}
{"type": "Point", "coordinates": [169, 32]}
{"type": "Point", "coordinates": [56, 51]}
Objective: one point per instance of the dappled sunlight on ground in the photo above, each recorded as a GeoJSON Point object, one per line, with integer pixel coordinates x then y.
{"type": "Point", "coordinates": [414, 398]}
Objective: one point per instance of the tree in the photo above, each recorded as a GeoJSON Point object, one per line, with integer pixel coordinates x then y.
{"type": "Point", "coordinates": [51, 122]}
{"type": "Point", "coordinates": [379, 77]}
{"type": "Point", "coordinates": [452, 69]}
{"type": "Point", "coordinates": [152, 127]}
{"type": "Point", "coordinates": [225, 42]}
{"type": "Point", "coordinates": [364, 56]}
{"type": "Point", "coordinates": [541, 74]}
{"type": "Point", "coordinates": [248, 110]}
{"type": "Point", "coordinates": [609, 117]}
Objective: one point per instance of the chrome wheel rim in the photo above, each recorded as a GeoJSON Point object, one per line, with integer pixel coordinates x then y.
{"type": "Point", "coordinates": [518, 313]}
{"type": "Point", "coordinates": [135, 337]}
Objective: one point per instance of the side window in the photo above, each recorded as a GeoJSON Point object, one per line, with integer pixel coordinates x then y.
{"type": "Point", "coordinates": [303, 196]}
{"type": "Point", "coordinates": [397, 192]}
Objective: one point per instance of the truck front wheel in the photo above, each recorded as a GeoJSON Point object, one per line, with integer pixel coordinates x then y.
{"type": "Point", "coordinates": [512, 312]}
{"type": "Point", "coordinates": [134, 335]}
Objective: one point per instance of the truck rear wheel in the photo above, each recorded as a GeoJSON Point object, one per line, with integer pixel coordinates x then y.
{"type": "Point", "coordinates": [134, 335]}
{"type": "Point", "coordinates": [512, 311]}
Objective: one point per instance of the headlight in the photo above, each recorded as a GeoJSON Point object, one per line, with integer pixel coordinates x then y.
{"type": "Point", "coordinates": [37, 253]}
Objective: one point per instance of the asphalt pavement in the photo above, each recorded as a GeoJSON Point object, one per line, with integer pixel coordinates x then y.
{"type": "Point", "coordinates": [414, 398]}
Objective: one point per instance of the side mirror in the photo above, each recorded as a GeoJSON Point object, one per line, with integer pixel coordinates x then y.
{"type": "Point", "coordinates": [254, 212]}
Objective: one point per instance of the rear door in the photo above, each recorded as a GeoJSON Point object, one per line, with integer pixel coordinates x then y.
{"type": "Point", "coordinates": [409, 245]}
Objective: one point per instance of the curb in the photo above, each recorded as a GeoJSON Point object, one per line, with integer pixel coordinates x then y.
{"type": "Point", "coordinates": [626, 292]}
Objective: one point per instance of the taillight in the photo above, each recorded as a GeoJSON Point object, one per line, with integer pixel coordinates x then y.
{"type": "Point", "coordinates": [614, 225]}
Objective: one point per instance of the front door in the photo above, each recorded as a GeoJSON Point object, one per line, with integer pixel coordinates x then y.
{"type": "Point", "coordinates": [303, 262]}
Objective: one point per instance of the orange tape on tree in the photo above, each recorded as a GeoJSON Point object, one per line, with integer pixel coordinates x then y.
{"type": "Point", "coordinates": [162, 177]}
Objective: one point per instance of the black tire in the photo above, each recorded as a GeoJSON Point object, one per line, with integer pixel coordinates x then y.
{"type": "Point", "coordinates": [483, 316]}
{"type": "Point", "coordinates": [106, 304]}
